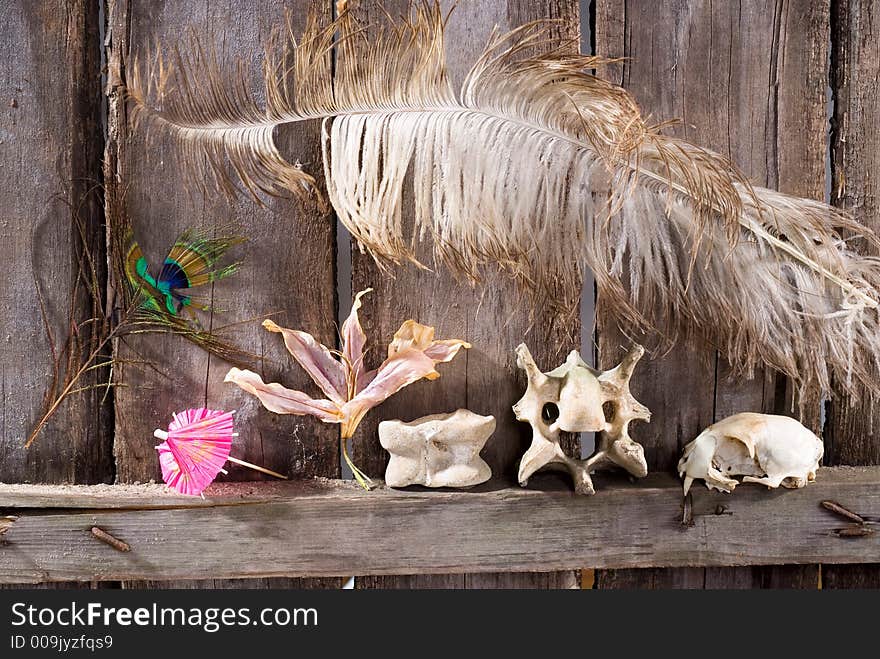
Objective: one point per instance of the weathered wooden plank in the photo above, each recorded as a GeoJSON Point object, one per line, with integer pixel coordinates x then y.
{"type": "Point", "coordinates": [50, 156]}
{"type": "Point", "coordinates": [717, 578]}
{"type": "Point", "coordinates": [146, 496]}
{"type": "Point", "coordinates": [333, 528]}
{"type": "Point", "coordinates": [16, 497]}
{"type": "Point", "coordinates": [851, 434]}
{"type": "Point", "coordinates": [493, 318]}
{"type": "Point", "coordinates": [783, 97]}
{"type": "Point", "coordinates": [679, 387]}
{"type": "Point", "coordinates": [288, 262]}
{"type": "Point", "coordinates": [747, 81]}
{"type": "Point", "coordinates": [690, 578]}
{"type": "Point", "coordinates": [798, 577]}
{"type": "Point", "coordinates": [565, 580]}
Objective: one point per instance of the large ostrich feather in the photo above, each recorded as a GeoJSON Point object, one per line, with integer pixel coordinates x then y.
{"type": "Point", "coordinates": [541, 168]}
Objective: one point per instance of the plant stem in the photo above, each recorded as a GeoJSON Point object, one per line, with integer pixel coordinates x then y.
{"type": "Point", "coordinates": [363, 480]}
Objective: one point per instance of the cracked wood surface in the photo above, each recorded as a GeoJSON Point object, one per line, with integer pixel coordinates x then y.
{"type": "Point", "coordinates": [749, 81]}
{"type": "Point", "coordinates": [50, 156]}
{"type": "Point", "coordinates": [851, 435]}
{"type": "Point", "coordinates": [288, 261]}
{"type": "Point", "coordinates": [771, 104]}
{"type": "Point", "coordinates": [332, 528]}
{"type": "Point", "coordinates": [492, 317]}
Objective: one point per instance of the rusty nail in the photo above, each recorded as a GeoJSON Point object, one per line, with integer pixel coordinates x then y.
{"type": "Point", "coordinates": [687, 511]}
{"type": "Point", "coordinates": [835, 507]}
{"type": "Point", "coordinates": [854, 531]}
{"type": "Point", "coordinates": [116, 543]}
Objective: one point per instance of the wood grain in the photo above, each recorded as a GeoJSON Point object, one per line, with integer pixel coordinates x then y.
{"type": "Point", "coordinates": [493, 318]}
{"type": "Point", "coordinates": [50, 156]}
{"type": "Point", "coordinates": [749, 82]}
{"type": "Point", "coordinates": [333, 528]}
{"type": "Point", "coordinates": [851, 434]}
{"type": "Point", "coordinates": [564, 580]}
{"type": "Point", "coordinates": [288, 262]}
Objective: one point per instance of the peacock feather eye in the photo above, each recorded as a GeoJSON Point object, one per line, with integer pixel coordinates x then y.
{"type": "Point", "coordinates": [173, 276]}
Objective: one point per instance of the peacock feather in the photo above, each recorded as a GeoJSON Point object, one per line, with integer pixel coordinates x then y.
{"type": "Point", "coordinates": [191, 263]}
{"type": "Point", "coordinates": [149, 304]}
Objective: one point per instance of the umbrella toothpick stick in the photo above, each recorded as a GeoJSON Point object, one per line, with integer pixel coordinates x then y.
{"type": "Point", "coordinates": [161, 434]}
{"type": "Point", "coordinates": [257, 468]}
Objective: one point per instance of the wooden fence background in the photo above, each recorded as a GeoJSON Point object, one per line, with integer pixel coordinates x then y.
{"type": "Point", "coordinates": [752, 78]}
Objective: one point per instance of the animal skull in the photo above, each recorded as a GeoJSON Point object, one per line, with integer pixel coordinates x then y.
{"type": "Point", "coordinates": [577, 398]}
{"type": "Point", "coordinates": [763, 448]}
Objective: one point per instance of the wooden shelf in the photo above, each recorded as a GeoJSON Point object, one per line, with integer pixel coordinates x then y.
{"type": "Point", "coordinates": [331, 528]}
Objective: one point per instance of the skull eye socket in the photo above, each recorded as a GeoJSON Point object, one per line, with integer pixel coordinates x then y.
{"type": "Point", "coordinates": [549, 413]}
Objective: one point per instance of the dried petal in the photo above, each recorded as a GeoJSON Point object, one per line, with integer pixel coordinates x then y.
{"type": "Point", "coordinates": [317, 360]}
{"type": "Point", "coordinates": [411, 335]}
{"type": "Point", "coordinates": [353, 341]}
{"type": "Point", "coordinates": [396, 372]}
{"type": "Point", "coordinates": [444, 351]}
{"type": "Point", "coordinates": [421, 337]}
{"type": "Point", "coordinates": [277, 398]}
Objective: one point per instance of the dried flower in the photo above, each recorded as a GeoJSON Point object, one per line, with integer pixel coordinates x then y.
{"type": "Point", "coordinates": [350, 389]}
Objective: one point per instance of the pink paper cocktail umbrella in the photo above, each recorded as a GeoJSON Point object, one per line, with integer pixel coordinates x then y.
{"type": "Point", "coordinates": [195, 448]}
